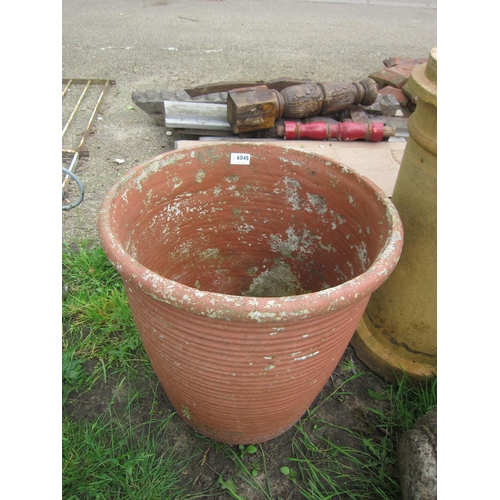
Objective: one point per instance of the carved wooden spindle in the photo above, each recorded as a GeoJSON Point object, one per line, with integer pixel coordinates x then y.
{"type": "Point", "coordinates": [340, 96]}
{"type": "Point", "coordinates": [255, 108]}
{"type": "Point", "coordinates": [302, 101]}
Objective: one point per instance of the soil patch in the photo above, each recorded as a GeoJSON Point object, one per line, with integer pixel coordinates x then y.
{"type": "Point", "coordinates": [346, 408]}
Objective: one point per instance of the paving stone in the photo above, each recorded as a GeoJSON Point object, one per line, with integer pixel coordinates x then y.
{"type": "Point", "coordinates": [403, 70]}
{"type": "Point", "coordinates": [390, 77]}
{"type": "Point", "coordinates": [397, 71]}
{"type": "Point", "coordinates": [417, 459]}
{"type": "Point", "coordinates": [401, 97]}
{"type": "Point", "coordinates": [385, 104]}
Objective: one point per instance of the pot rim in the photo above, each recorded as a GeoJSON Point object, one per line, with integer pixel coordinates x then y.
{"type": "Point", "coordinates": [234, 307]}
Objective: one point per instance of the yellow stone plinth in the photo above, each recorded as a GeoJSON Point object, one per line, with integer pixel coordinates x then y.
{"type": "Point", "coordinates": [398, 331]}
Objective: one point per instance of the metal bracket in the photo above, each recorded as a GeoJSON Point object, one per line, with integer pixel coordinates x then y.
{"type": "Point", "coordinates": [196, 115]}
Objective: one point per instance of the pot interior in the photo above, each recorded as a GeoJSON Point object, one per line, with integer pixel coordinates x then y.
{"type": "Point", "coordinates": [286, 223]}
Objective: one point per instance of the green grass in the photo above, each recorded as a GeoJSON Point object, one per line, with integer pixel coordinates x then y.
{"type": "Point", "coordinates": [96, 315]}
{"type": "Point", "coordinates": [323, 467]}
{"type": "Point", "coordinates": [97, 321]}
{"type": "Point", "coordinates": [129, 450]}
{"type": "Point", "coordinates": [111, 458]}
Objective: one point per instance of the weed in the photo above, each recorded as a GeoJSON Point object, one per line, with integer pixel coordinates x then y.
{"type": "Point", "coordinates": [363, 467]}
{"type": "Point", "coordinates": [253, 472]}
{"type": "Point", "coordinates": [409, 401]}
{"type": "Point", "coordinates": [247, 449]}
{"type": "Point", "coordinates": [349, 366]}
{"type": "Point", "coordinates": [185, 412]}
{"type": "Point", "coordinates": [288, 472]}
{"type": "Point", "coordinates": [230, 487]}
{"type": "Point", "coordinates": [73, 372]}
{"type": "Point", "coordinates": [110, 458]}
{"type": "Point", "coordinates": [249, 472]}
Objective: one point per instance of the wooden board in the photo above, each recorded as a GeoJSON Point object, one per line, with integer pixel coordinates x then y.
{"type": "Point", "coordinates": [379, 161]}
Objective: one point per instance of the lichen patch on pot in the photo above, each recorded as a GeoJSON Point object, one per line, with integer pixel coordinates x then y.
{"type": "Point", "coordinates": [177, 183]}
{"type": "Point", "coordinates": [363, 255]}
{"type": "Point", "coordinates": [279, 281]}
{"type": "Point", "coordinates": [244, 228]}
{"type": "Point", "coordinates": [291, 161]}
{"type": "Point", "coordinates": [303, 242]}
{"type": "Point", "coordinates": [199, 176]}
{"type": "Point", "coordinates": [318, 202]}
{"type": "Point", "coordinates": [292, 192]}
{"type": "Point", "coordinates": [261, 316]}
{"type": "Point", "coordinates": [211, 253]}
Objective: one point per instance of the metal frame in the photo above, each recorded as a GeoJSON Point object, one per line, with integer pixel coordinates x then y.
{"type": "Point", "coordinates": [75, 154]}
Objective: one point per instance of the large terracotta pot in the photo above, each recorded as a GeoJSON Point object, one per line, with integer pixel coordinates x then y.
{"type": "Point", "coordinates": [247, 267]}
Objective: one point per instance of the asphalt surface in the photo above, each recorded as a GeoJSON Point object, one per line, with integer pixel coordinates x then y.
{"type": "Point", "coordinates": [174, 44]}
{"type": "Point", "coordinates": [186, 42]}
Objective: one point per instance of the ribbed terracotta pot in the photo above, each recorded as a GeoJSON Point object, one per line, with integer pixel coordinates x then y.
{"type": "Point", "coordinates": [247, 267]}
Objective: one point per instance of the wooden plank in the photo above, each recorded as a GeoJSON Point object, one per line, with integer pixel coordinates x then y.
{"type": "Point", "coordinates": [379, 161]}
{"type": "Point", "coordinates": [278, 84]}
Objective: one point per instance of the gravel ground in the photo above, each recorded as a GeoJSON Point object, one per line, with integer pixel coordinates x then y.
{"type": "Point", "coordinates": [170, 45]}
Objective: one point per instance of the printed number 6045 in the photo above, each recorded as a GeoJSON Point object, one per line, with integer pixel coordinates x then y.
{"type": "Point", "coordinates": [240, 159]}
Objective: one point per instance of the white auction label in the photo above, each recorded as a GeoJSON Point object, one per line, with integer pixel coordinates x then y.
{"type": "Point", "coordinates": [240, 159]}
